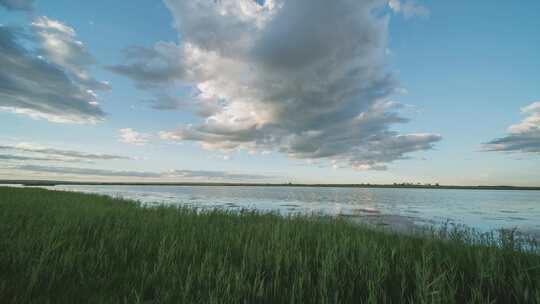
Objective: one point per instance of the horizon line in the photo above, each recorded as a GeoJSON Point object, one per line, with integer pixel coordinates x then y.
{"type": "Point", "coordinates": [28, 182]}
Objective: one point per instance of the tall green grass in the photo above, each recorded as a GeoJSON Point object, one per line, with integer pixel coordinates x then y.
{"type": "Point", "coordinates": [61, 247]}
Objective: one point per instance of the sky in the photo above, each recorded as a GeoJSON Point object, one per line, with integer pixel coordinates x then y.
{"type": "Point", "coordinates": [304, 91]}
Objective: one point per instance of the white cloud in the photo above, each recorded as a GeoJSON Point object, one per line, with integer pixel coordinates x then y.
{"type": "Point", "coordinates": [409, 8]}
{"type": "Point", "coordinates": [395, 5]}
{"type": "Point", "coordinates": [523, 137]}
{"type": "Point", "coordinates": [44, 75]}
{"type": "Point", "coordinates": [58, 42]}
{"type": "Point", "coordinates": [130, 136]}
{"type": "Point", "coordinates": [305, 78]}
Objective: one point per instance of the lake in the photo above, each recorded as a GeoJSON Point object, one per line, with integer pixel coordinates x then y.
{"type": "Point", "coordinates": [483, 210]}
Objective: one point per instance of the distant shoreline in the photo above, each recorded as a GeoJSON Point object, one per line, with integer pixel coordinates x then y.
{"type": "Point", "coordinates": [216, 184]}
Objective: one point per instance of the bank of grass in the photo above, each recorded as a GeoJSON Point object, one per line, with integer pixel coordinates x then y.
{"type": "Point", "coordinates": [62, 247]}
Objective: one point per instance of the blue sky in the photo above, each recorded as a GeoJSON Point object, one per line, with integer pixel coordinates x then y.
{"type": "Point", "coordinates": [358, 92]}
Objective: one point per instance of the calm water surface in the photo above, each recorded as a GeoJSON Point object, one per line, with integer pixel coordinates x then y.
{"type": "Point", "coordinates": [480, 209]}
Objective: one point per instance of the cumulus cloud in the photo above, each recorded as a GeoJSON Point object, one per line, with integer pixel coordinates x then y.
{"type": "Point", "coordinates": [182, 175]}
{"type": "Point", "coordinates": [44, 74]}
{"type": "Point", "coordinates": [306, 78]}
{"type": "Point", "coordinates": [58, 42]}
{"type": "Point", "coordinates": [23, 5]}
{"type": "Point", "coordinates": [409, 8]}
{"type": "Point", "coordinates": [522, 137]}
{"type": "Point", "coordinates": [130, 136]}
{"type": "Point", "coordinates": [59, 154]}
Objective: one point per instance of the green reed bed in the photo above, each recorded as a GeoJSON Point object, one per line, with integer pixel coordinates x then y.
{"type": "Point", "coordinates": [63, 247]}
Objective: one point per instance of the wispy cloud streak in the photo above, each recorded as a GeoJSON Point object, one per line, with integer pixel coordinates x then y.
{"type": "Point", "coordinates": [180, 175]}
{"type": "Point", "coordinates": [523, 137]}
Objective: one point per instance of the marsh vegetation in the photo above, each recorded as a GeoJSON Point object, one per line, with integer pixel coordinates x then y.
{"type": "Point", "coordinates": [66, 247]}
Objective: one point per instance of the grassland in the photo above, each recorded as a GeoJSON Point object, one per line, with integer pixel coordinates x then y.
{"type": "Point", "coordinates": [60, 247]}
